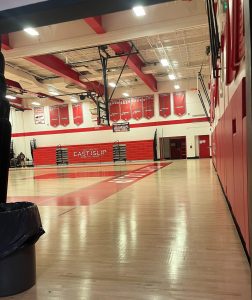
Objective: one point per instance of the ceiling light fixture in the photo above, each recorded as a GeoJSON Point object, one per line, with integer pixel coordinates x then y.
{"type": "Point", "coordinates": [10, 97]}
{"type": "Point", "coordinates": [31, 31]}
{"type": "Point", "coordinates": [139, 11]}
{"type": "Point", "coordinates": [74, 100]}
{"type": "Point", "coordinates": [172, 76]}
{"type": "Point", "coordinates": [125, 94]}
{"type": "Point", "coordinates": [164, 62]}
{"type": "Point", "coordinates": [35, 103]}
{"type": "Point", "coordinates": [177, 87]}
{"type": "Point", "coordinates": [112, 84]}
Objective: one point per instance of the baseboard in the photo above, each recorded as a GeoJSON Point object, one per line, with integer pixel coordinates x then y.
{"type": "Point", "coordinates": [195, 157]}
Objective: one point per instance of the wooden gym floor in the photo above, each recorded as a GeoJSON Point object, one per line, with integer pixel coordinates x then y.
{"type": "Point", "coordinates": [136, 231]}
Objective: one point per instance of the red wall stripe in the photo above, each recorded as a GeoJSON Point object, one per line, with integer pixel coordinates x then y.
{"type": "Point", "coordinates": [90, 129]}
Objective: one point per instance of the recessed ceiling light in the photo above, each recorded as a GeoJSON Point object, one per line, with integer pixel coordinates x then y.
{"type": "Point", "coordinates": [139, 11]}
{"type": "Point", "coordinates": [177, 87]}
{"type": "Point", "coordinates": [31, 31]}
{"type": "Point", "coordinates": [164, 62]}
{"type": "Point", "coordinates": [10, 97]}
{"type": "Point", "coordinates": [35, 103]}
{"type": "Point", "coordinates": [172, 76]}
{"type": "Point", "coordinates": [112, 84]}
{"type": "Point", "coordinates": [125, 94]}
{"type": "Point", "coordinates": [54, 93]}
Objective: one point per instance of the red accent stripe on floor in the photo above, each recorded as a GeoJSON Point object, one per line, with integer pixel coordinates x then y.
{"type": "Point", "coordinates": [80, 174]}
{"type": "Point", "coordinates": [97, 192]}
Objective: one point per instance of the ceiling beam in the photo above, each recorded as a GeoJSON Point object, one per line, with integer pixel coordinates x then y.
{"type": "Point", "coordinates": [18, 104]}
{"type": "Point", "coordinates": [58, 67]}
{"type": "Point", "coordinates": [96, 24]}
{"type": "Point", "coordinates": [13, 84]}
{"type": "Point", "coordinates": [5, 42]}
{"type": "Point", "coordinates": [133, 61]}
{"type": "Point", "coordinates": [115, 36]}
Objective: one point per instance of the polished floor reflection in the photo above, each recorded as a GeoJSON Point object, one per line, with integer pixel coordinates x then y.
{"type": "Point", "coordinates": [163, 233]}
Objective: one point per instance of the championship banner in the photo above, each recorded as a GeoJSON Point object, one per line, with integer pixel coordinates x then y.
{"type": "Point", "coordinates": [212, 103]}
{"type": "Point", "coordinates": [39, 115]}
{"type": "Point", "coordinates": [230, 73]}
{"type": "Point", "coordinates": [64, 115]}
{"type": "Point", "coordinates": [148, 106]}
{"type": "Point", "coordinates": [114, 110]}
{"type": "Point", "coordinates": [164, 105]}
{"type": "Point", "coordinates": [238, 32]}
{"type": "Point", "coordinates": [125, 109]}
{"type": "Point", "coordinates": [179, 100]}
{"type": "Point", "coordinates": [54, 115]}
{"type": "Point", "coordinates": [137, 108]}
{"type": "Point", "coordinates": [77, 114]}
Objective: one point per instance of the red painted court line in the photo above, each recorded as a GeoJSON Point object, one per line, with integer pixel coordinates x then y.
{"type": "Point", "coordinates": [80, 174]}
{"type": "Point", "coordinates": [102, 190]}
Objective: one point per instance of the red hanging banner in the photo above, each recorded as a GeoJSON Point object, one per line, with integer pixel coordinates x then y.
{"type": "Point", "coordinates": [114, 110]}
{"type": "Point", "coordinates": [64, 115]}
{"type": "Point", "coordinates": [77, 114]}
{"type": "Point", "coordinates": [238, 37]}
{"type": "Point", "coordinates": [137, 108]}
{"type": "Point", "coordinates": [125, 109]}
{"type": "Point", "coordinates": [179, 100]}
{"type": "Point", "coordinates": [164, 105]}
{"type": "Point", "coordinates": [54, 115]}
{"type": "Point", "coordinates": [230, 74]}
{"type": "Point", "coordinates": [148, 106]}
{"type": "Point", "coordinates": [212, 102]}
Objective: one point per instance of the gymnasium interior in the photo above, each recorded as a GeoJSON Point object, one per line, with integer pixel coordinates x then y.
{"type": "Point", "coordinates": [125, 150]}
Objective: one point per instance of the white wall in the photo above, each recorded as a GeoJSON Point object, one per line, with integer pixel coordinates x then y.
{"type": "Point", "coordinates": [23, 122]}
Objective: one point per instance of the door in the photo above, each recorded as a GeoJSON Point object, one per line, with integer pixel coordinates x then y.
{"type": "Point", "coordinates": [204, 147]}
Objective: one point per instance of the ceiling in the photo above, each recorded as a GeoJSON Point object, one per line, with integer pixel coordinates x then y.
{"type": "Point", "coordinates": [176, 31]}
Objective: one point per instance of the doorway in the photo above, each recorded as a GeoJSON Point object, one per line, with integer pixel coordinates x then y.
{"type": "Point", "coordinates": [178, 148]}
{"type": "Point", "coordinates": [173, 148]}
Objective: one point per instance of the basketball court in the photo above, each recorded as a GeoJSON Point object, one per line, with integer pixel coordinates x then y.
{"type": "Point", "coordinates": [133, 231]}
{"type": "Point", "coordinates": [126, 124]}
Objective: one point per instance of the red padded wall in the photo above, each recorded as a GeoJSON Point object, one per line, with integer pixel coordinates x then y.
{"type": "Point", "coordinates": [44, 156]}
{"type": "Point", "coordinates": [231, 158]}
{"type": "Point", "coordinates": [245, 182]}
{"type": "Point", "coordinates": [136, 150]}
